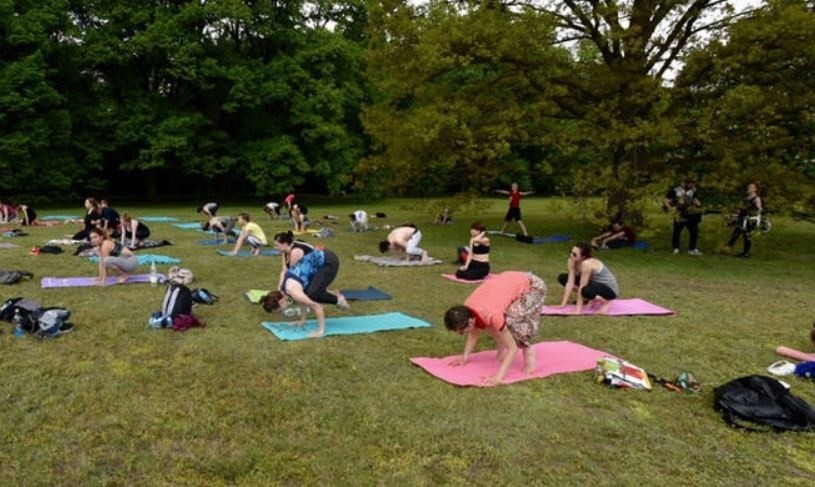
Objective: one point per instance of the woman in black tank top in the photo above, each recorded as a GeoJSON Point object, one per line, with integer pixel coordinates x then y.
{"type": "Point", "coordinates": [113, 256]}
{"type": "Point", "coordinates": [477, 263]}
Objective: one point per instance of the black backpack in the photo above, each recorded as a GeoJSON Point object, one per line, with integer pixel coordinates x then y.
{"type": "Point", "coordinates": [177, 301]}
{"type": "Point", "coordinates": [12, 277]}
{"type": "Point", "coordinates": [765, 401]}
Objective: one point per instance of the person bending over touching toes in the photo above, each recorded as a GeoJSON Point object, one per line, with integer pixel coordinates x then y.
{"type": "Point", "coordinates": [209, 209]}
{"type": "Point", "coordinates": [113, 256]}
{"type": "Point", "coordinates": [477, 264]}
{"type": "Point", "coordinates": [298, 280]}
{"type": "Point", "coordinates": [292, 251]}
{"type": "Point", "coordinates": [359, 221]}
{"type": "Point", "coordinates": [507, 307]}
{"type": "Point", "coordinates": [404, 238]}
{"type": "Point", "coordinates": [273, 210]}
{"type": "Point", "coordinates": [251, 233]}
{"type": "Point", "coordinates": [589, 278]}
{"type": "Point", "coordinates": [514, 211]}
{"type": "Point", "coordinates": [134, 230]}
{"type": "Point", "coordinates": [220, 224]}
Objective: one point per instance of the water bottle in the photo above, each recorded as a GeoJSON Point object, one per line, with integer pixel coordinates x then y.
{"type": "Point", "coordinates": [18, 324]}
{"type": "Point", "coordinates": [153, 274]}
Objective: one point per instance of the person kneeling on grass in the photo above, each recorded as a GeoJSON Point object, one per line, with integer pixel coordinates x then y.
{"type": "Point", "coordinates": [306, 282]}
{"type": "Point", "coordinates": [589, 278]}
{"type": "Point", "coordinates": [508, 307]}
{"type": "Point", "coordinates": [251, 233]}
{"type": "Point", "coordinates": [112, 255]}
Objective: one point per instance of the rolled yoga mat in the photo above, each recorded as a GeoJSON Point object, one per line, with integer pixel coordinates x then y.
{"type": "Point", "coordinates": [91, 281]}
{"type": "Point", "coordinates": [346, 325]}
{"type": "Point", "coordinates": [551, 358]}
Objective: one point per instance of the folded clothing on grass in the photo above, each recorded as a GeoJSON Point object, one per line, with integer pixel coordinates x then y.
{"type": "Point", "coordinates": [618, 307]}
{"type": "Point", "coordinates": [248, 253]}
{"type": "Point", "coordinates": [347, 325]}
{"type": "Point", "coordinates": [91, 281]}
{"type": "Point", "coordinates": [255, 295]}
{"type": "Point", "coordinates": [394, 261]}
{"type": "Point", "coordinates": [551, 358]}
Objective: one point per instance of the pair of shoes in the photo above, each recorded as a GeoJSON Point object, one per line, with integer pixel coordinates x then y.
{"type": "Point", "coordinates": [676, 251]}
{"type": "Point", "coordinates": [743, 255]}
{"type": "Point", "coordinates": [695, 252]}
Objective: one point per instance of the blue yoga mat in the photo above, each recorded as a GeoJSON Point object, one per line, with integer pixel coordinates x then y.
{"type": "Point", "coordinates": [59, 217]}
{"type": "Point", "coordinates": [188, 226]}
{"type": "Point", "coordinates": [556, 238]}
{"type": "Point", "coordinates": [349, 325]}
{"type": "Point", "coordinates": [146, 259]}
{"type": "Point", "coordinates": [159, 219]}
{"type": "Point", "coordinates": [370, 294]}
{"type": "Point", "coordinates": [640, 245]}
{"type": "Point", "coordinates": [248, 253]}
{"type": "Point", "coordinates": [215, 242]}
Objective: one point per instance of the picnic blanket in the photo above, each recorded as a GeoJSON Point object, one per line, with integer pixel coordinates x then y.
{"type": "Point", "coordinates": [91, 281]}
{"type": "Point", "coordinates": [453, 278]}
{"type": "Point", "coordinates": [551, 358]}
{"type": "Point", "coordinates": [158, 219]}
{"type": "Point", "coordinates": [618, 307]}
{"type": "Point", "coordinates": [370, 294]}
{"type": "Point", "coordinates": [346, 325]}
{"type": "Point", "coordinates": [248, 253]}
{"type": "Point", "coordinates": [145, 259]}
{"type": "Point", "coordinates": [393, 261]}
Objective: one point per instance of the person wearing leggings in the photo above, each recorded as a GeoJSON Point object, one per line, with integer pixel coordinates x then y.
{"type": "Point", "coordinates": [589, 278]}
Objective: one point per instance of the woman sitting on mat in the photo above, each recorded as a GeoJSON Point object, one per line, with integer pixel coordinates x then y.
{"type": "Point", "coordinates": [507, 307]}
{"type": "Point", "coordinates": [477, 263]}
{"type": "Point", "coordinates": [589, 278]}
{"type": "Point", "coordinates": [615, 236]}
{"type": "Point", "coordinates": [312, 274]}
{"type": "Point", "coordinates": [135, 230]}
{"type": "Point", "coordinates": [112, 255]}
{"type": "Point", "coordinates": [292, 251]}
{"type": "Point", "coordinates": [91, 220]}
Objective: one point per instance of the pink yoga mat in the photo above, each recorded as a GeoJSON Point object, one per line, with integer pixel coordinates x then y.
{"type": "Point", "coordinates": [552, 358]}
{"type": "Point", "coordinates": [453, 277]}
{"type": "Point", "coordinates": [796, 354]}
{"type": "Point", "coordinates": [91, 281]}
{"type": "Point", "coordinates": [618, 307]}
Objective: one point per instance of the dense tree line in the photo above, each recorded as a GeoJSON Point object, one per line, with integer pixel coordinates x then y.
{"type": "Point", "coordinates": [585, 97]}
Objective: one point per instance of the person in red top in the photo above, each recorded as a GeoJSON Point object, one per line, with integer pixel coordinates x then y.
{"type": "Point", "coordinates": [514, 211]}
{"type": "Point", "coordinates": [288, 202]}
{"type": "Point", "coordinates": [508, 307]}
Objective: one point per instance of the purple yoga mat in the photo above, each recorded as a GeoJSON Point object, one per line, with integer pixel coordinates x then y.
{"type": "Point", "coordinates": [618, 307]}
{"type": "Point", "coordinates": [91, 281]}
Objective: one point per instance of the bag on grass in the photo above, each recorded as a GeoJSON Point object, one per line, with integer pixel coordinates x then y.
{"type": "Point", "coordinates": [620, 374]}
{"type": "Point", "coordinates": [764, 401]}
{"type": "Point", "coordinates": [13, 277]}
{"type": "Point", "coordinates": [52, 322]}
{"type": "Point", "coordinates": [203, 296]}
{"type": "Point", "coordinates": [185, 322]}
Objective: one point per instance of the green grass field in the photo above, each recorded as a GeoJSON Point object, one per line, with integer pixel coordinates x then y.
{"type": "Point", "coordinates": [115, 403]}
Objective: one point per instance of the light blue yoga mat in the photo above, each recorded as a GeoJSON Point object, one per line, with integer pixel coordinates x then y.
{"type": "Point", "coordinates": [159, 219]}
{"type": "Point", "coordinates": [248, 253]}
{"type": "Point", "coordinates": [215, 242]}
{"type": "Point", "coordinates": [188, 226]}
{"type": "Point", "coordinates": [59, 217]}
{"type": "Point", "coordinates": [348, 325]}
{"type": "Point", "coordinates": [146, 259]}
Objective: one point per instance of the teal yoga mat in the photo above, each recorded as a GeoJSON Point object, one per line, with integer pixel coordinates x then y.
{"type": "Point", "coordinates": [348, 325]}
{"type": "Point", "coordinates": [159, 219]}
{"type": "Point", "coordinates": [188, 226]}
{"type": "Point", "coordinates": [59, 217]}
{"type": "Point", "coordinates": [146, 259]}
{"type": "Point", "coordinates": [248, 253]}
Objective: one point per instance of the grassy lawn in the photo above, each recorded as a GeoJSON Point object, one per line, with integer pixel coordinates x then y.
{"type": "Point", "coordinates": [117, 403]}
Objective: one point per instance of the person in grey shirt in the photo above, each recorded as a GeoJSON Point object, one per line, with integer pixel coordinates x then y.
{"type": "Point", "coordinates": [589, 278]}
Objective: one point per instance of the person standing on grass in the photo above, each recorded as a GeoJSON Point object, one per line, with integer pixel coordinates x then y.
{"type": "Point", "coordinates": [683, 201]}
{"type": "Point", "coordinates": [514, 211]}
{"type": "Point", "coordinates": [251, 233]}
{"type": "Point", "coordinates": [113, 256]}
{"type": "Point", "coordinates": [477, 263]}
{"type": "Point", "coordinates": [747, 219]}
{"type": "Point", "coordinates": [508, 307]}
{"type": "Point", "coordinates": [306, 282]}
{"type": "Point", "coordinates": [405, 238]}
{"type": "Point", "coordinates": [589, 278]}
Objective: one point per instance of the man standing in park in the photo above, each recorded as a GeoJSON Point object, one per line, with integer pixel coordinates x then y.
{"type": "Point", "coordinates": [514, 211]}
{"type": "Point", "coordinates": [683, 201]}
